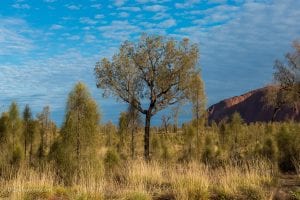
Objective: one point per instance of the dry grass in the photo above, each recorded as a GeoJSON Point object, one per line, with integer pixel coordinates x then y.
{"type": "Point", "coordinates": [138, 180]}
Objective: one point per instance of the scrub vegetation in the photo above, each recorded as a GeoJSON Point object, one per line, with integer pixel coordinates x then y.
{"type": "Point", "coordinates": [87, 159]}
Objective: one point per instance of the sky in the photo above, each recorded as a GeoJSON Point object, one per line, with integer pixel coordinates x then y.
{"type": "Point", "coordinates": [46, 46]}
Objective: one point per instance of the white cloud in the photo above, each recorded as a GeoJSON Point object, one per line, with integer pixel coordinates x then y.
{"type": "Point", "coordinates": [89, 38]}
{"type": "Point", "coordinates": [119, 30]}
{"type": "Point", "coordinates": [123, 14]}
{"type": "Point", "coordinates": [155, 8]}
{"type": "Point", "coordinates": [218, 1]}
{"type": "Point", "coordinates": [21, 6]}
{"type": "Point", "coordinates": [99, 16]}
{"type": "Point", "coordinates": [187, 4]}
{"type": "Point", "coordinates": [50, 1]}
{"type": "Point", "coordinates": [14, 37]}
{"type": "Point", "coordinates": [160, 16]}
{"type": "Point", "coordinates": [167, 23]}
{"type": "Point", "coordinates": [243, 49]}
{"type": "Point", "coordinates": [97, 6]}
{"type": "Point", "coordinates": [73, 7]}
{"type": "Point", "coordinates": [119, 3]}
{"type": "Point", "coordinates": [131, 9]}
{"type": "Point", "coordinates": [87, 20]}
{"type": "Point", "coordinates": [56, 27]}
{"type": "Point", "coordinates": [151, 1]}
{"type": "Point", "coordinates": [73, 37]}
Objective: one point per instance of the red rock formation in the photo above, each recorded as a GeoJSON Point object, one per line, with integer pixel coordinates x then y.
{"type": "Point", "coordinates": [252, 108]}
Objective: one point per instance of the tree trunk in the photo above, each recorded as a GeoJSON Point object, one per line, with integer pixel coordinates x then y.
{"type": "Point", "coordinates": [147, 136]}
{"type": "Point", "coordinates": [78, 138]}
{"type": "Point", "coordinates": [275, 113]}
{"type": "Point", "coordinates": [30, 153]}
{"type": "Point", "coordinates": [25, 140]}
{"type": "Point", "coordinates": [132, 142]}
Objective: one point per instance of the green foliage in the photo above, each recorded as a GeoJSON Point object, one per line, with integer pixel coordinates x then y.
{"type": "Point", "coordinates": [14, 126]}
{"type": "Point", "coordinates": [148, 73]}
{"type": "Point", "coordinates": [27, 117]}
{"type": "Point", "coordinates": [111, 160]}
{"type": "Point", "coordinates": [211, 152]}
{"type": "Point", "coordinates": [189, 145]}
{"type": "Point", "coordinates": [288, 141]}
{"type": "Point", "coordinates": [16, 156]}
{"type": "Point", "coordinates": [79, 133]}
{"type": "Point", "coordinates": [269, 149]}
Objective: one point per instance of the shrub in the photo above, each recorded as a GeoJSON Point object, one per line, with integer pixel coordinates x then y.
{"type": "Point", "coordinates": [16, 156]}
{"type": "Point", "coordinates": [251, 193]}
{"type": "Point", "coordinates": [288, 141]}
{"type": "Point", "coordinates": [269, 149]}
{"type": "Point", "coordinates": [37, 194]}
{"type": "Point", "coordinates": [111, 160]}
{"type": "Point", "coordinates": [138, 196]}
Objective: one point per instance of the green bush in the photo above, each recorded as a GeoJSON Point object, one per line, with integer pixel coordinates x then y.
{"type": "Point", "coordinates": [288, 141]}
{"type": "Point", "coordinates": [269, 150]}
{"type": "Point", "coordinates": [111, 160]}
{"type": "Point", "coordinates": [17, 156]}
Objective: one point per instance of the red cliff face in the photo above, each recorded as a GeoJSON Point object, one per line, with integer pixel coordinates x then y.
{"type": "Point", "coordinates": [252, 108]}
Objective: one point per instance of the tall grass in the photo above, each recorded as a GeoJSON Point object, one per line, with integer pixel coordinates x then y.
{"type": "Point", "coordinates": [141, 180]}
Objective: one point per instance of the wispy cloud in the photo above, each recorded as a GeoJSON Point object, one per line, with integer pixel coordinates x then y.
{"type": "Point", "coordinates": [130, 8]}
{"type": "Point", "coordinates": [73, 7]}
{"type": "Point", "coordinates": [21, 6]}
{"type": "Point", "coordinates": [118, 30]}
{"type": "Point", "coordinates": [167, 23]}
{"type": "Point", "coordinates": [119, 2]}
{"type": "Point", "coordinates": [13, 37]}
{"type": "Point", "coordinates": [50, 1]}
{"type": "Point", "coordinates": [97, 6]}
{"type": "Point", "coordinates": [87, 20]}
{"type": "Point", "coordinates": [240, 45]}
{"type": "Point", "coordinates": [56, 27]}
{"type": "Point", "coordinates": [73, 37]}
{"type": "Point", "coordinates": [99, 16]}
{"type": "Point", "coordinates": [188, 4]}
{"type": "Point", "coordinates": [155, 8]}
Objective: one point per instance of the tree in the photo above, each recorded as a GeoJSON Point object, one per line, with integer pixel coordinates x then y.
{"type": "Point", "coordinates": [4, 128]}
{"type": "Point", "coordinates": [5, 152]}
{"type": "Point", "coordinates": [150, 75]}
{"type": "Point", "coordinates": [165, 120]}
{"type": "Point", "coordinates": [123, 129]}
{"type": "Point", "coordinates": [197, 98]}
{"type": "Point", "coordinates": [14, 123]}
{"type": "Point", "coordinates": [45, 126]}
{"type": "Point", "coordinates": [79, 133]}
{"type": "Point", "coordinates": [175, 114]}
{"type": "Point", "coordinates": [32, 131]}
{"type": "Point", "coordinates": [134, 122]}
{"type": "Point", "coordinates": [27, 117]}
{"type": "Point", "coordinates": [287, 79]}
{"type": "Point", "coordinates": [236, 127]}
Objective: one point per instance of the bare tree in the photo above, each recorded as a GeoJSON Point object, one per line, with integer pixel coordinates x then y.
{"type": "Point", "coordinates": [150, 75]}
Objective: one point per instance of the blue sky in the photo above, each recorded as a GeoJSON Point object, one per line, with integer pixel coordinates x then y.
{"type": "Point", "coordinates": [46, 46]}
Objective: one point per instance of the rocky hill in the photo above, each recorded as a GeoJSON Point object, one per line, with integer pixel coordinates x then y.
{"type": "Point", "coordinates": [252, 108]}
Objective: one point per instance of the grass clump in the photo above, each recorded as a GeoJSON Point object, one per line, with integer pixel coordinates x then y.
{"type": "Point", "coordinates": [137, 195]}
